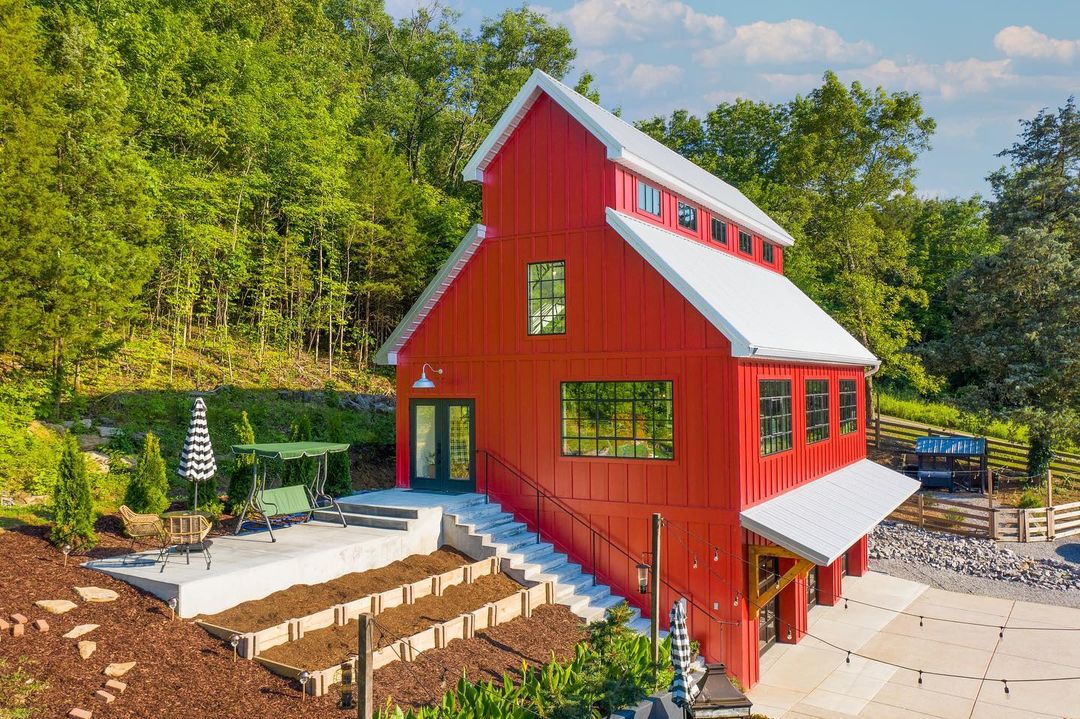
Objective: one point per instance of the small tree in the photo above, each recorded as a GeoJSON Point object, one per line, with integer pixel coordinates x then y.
{"type": "Point", "coordinates": [240, 478]}
{"type": "Point", "coordinates": [148, 490]}
{"type": "Point", "coordinates": [73, 505]}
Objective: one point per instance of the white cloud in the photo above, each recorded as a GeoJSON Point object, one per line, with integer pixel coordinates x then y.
{"type": "Point", "coordinates": [1027, 42]}
{"type": "Point", "coordinates": [948, 79]}
{"type": "Point", "coordinates": [646, 78]}
{"type": "Point", "coordinates": [790, 41]}
{"type": "Point", "coordinates": [600, 22]}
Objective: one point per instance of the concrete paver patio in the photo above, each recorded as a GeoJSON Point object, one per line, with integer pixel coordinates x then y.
{"type": "Point", "coordinates": [812, 679]}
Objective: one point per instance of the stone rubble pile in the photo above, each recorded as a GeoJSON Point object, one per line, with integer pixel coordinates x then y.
{"type": "Point", "coordinates": [970, 556]}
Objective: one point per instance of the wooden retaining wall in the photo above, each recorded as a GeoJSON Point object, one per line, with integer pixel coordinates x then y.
{"type": "Point", "coordinates": [253, 643]}
{"type": "Point", "coordinates": [465, 626]}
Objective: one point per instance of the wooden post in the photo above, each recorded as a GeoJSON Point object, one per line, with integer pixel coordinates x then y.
{"type": "Point", "coordinates": [365, 701]}
{"type": "Point", "coordinates": [654, 628]}
{"type": "Point", "coordinates": [1049, 488]}
{"type": "Point", "coordinates": [922, 523]}
{"type": "Point", "coordinates": [877, 421]}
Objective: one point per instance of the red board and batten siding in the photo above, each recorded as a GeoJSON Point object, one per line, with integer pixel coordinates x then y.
{"type": "Point", "coordinates": [544, 199]}
{"type": "Point", "coordinates": [626, 201]}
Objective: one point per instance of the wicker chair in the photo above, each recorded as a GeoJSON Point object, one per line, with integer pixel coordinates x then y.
{"type": "Point", "coordinates": [183, 533]}
{"type": "Point", "coordinates": [141, 526]}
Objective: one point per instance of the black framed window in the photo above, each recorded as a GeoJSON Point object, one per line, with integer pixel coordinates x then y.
{"type": "Point", "coordinates": [648, 198]}
{"type": "Point", "coordinates": [774, 397]}
{"type": "Point", "coordinates": [547, 298]}
{"type": "Point", "coordinates": [849, 406]}
{"type": "Point", "coordinates": [768, 252]}
{"type": "Point", "coordinates": [618, 419]}
{"type": "Point", "coordinates": [687, 216]}
{"type": "Point", "coordinates": [746, 243]}
{"type": "Point", "coordinates": [817, 410]}
{"type": "Point", "coordinates": [719, 231]}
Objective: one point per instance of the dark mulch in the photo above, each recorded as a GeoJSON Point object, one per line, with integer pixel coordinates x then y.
{"type": "Point", "coordinates": [552, 630]}
{"type": "Point", "coordinates": [304, 599]}
{"type": "Point", "coordinates": [324, 647]}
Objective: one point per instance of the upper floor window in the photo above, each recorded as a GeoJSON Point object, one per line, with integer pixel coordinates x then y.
{"type": "Point", "coordinates": [648, 198]}
{"type": "Point", "coordinates": [849, 406]}
{"type": "Point", "coordinates": [746, 243]}
{"type": "Point", "coordinates": [618, 419]}
{"type": "Point", "coordinates": [817, 410]}
{"type": "Point", "coordinates": [547, 298]}
{"type": "Point", "coordinates": [719, 231]}
{"type": "Point", "coordinates": [774, 397]}
{"type": "Point", "coordinates": [768, 252]}
{"type": "Point", "coordinates": [687, 216]}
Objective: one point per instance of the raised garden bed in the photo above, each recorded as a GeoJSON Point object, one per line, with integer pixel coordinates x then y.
{"type": "Point", "coordinates": [429, 623]}
{"type": "Point", "coordinates": [255, 642]}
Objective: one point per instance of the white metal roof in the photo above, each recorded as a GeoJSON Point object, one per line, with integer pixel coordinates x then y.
{"type": "Point", "coordinates": [820, 520]}
{"type": "Point", "coordinates": [431, 295]}
{"type": "Point", "coordinates": [632, 148]}
{"type": "Point", "coordinates": [761, 312]}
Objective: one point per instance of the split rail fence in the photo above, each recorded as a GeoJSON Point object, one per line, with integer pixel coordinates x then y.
{"type": "Point", "coordinates": [1004, 524]}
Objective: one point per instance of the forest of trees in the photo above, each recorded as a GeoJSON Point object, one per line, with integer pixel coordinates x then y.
{"type": "Point", "coordinates": [288, 172]}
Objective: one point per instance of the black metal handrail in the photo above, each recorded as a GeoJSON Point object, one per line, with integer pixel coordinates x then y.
{"type": "Point", "coordinates": [541, 496]}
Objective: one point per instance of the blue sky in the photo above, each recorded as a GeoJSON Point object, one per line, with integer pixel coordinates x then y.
{"type": "Point", "coordinates": [979, 66]}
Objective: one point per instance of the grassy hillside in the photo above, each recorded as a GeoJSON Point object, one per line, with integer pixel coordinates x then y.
{"type": "Point", "coordinates": [149, 386]}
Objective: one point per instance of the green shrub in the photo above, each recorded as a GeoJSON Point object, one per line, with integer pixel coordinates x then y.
{"type": "Point", "coordinates": [148, 491]}
{"type": "Point", "coordinates": [1029, 499]}
{"type": "Point", "coordinates": [299, 471]}
{"type": "Point", "coordinates": [240, 475]}
{"type": "Point", "coordinates": [73, 505]}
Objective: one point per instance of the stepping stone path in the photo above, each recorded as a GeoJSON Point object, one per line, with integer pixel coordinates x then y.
{"type": "Point", "coordinates": [80, 631]}
{"type": "Point", "coordinates": [18, 619]}
{"type": "Point", "coordinates": [4, 625]}
{"type": "Point", "coordinates": [119, 669]}
{"type": "Point", "coordinates": [56, 606]}
{"type": "Point", "coordinates": [87, 648]}
{"type": "Point", "coordinates": [18, 630]}
{"type": "Point", "coordinates": [41, 625]}
{"type": "Point", "coordinates": [96, 594]}
{"type": "Point", "coordinates": [105, 696]}
{"type": "Point", "coordinates": [80, 714]}
{"type": "Point", "coordinates": [115, 686]}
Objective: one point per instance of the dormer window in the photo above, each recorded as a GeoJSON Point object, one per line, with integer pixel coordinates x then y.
{"type": "Point", "coordinates": [687, 217]}
{"type": "Point", "coordinates": [648, 198]}
{"type": "Point", "coordinates": [768, 252]}
{"type": "Point", "coordinates": [719, 231]}
{"type": "Point", "coordinates": [746, 243]}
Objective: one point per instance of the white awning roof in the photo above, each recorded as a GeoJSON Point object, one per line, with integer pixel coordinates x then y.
{"type": "Point", "coordinates": [761, 312]}
{"type": "Point", "coordinates": [630, 147]}
{"type": "Point", "coordinates": [820, 520]}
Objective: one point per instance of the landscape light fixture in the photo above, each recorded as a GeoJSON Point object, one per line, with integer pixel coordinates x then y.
{"type": "Point", "coordinates": [643, 578]}
{"type": "Point", "coordinates": [424, 382]}
{"type": "Point", "coordinates": [172, 607]}
{"type": "Point", "coordinates": [66, 549]}
{"type": "Point", "coordinates": [234, 641]}
{"type": "Point", "coordinates": [304, 677]}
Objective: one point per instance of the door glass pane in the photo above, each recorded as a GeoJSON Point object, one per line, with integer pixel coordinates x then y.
{"type": "Point", "coordinates": [424, 453]}
{"type": "Point", "coordinates": [460, 442]}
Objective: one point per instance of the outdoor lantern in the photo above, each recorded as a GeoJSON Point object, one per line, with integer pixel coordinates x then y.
{"type": "Point", "coordinates": [234, 641]}
{"type": "Point", "coordinates": [304, 677]}
{"type": "Point", "coordinates": [66, 549]}
{"type": "Point", "coordinates": [424, 382]}
{"type": "Point", "coordinates": [643, 578]}
{"type": "Point", "coordinates": [718, 697]}
{"type": "Point", "coordinates": [172, 606]}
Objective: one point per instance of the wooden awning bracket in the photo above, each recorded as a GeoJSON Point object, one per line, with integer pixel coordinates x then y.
{"type": "Point", "coordinates": [758, 598]}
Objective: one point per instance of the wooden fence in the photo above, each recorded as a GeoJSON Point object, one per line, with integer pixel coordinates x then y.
{"type": "Point", "coordinates": [1001, 453]}
{"type": "Point", "coordinates": [1004, 524]}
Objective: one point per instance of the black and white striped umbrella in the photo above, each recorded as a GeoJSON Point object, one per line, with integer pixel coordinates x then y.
{"type": "Point", "coordinates": [680, 655]}
{"type": "Point", "coordinates": [197, 463]}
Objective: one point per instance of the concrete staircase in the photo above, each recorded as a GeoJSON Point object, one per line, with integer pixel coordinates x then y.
{"type": "Point", "coordinates": [358, 514]}
{"type": "Point", "coordinates": [480, 528]}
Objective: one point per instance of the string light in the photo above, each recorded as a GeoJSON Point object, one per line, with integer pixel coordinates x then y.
{"type": "Point", "coordinates": [1006, 683]}
{"type": "Point", "coordinates": [695, 561]}
{"type": "Point", "coordinates": [920, 676]}
{"type": "Point", "coordinates": [849, 656]}
{"type": "Point", "coordinates": [920, 621]}
{"type": "Point", "coordinates": [716, 555]}
{"type": "Point", "coordinates": [735, 602]}
{"type": "Point", "coordinates": [789, 633]}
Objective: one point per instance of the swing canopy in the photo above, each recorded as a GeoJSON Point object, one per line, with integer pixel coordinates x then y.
{"type": "Point", "coordinates": [290, 450]}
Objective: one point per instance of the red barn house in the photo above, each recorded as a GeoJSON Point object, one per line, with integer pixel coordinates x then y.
{"type": "Point", "coordinates": [619, 333]}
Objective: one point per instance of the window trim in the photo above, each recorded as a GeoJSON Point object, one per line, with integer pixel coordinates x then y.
{"type": "Point", "coordinates": [790, 429]}
{"type": "Point", "coordinates": [814, 425]}
{"type": "Point", "coordinates": [750, 239]}
{"type": "Point", "coordinates": [679, 220]}
{"type": "Point", "coordinates": [529, 299]}
{"type": "Point", "coordinates": [659, 199]}
{"type": "Point", "coordinates": [615, 439]}
{"type": "Point", "coordinates": [713, 222]}
{"type": "Point", "coordinates": [851, 423]}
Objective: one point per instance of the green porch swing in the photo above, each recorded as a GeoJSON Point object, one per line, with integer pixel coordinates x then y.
{"type": "Point", "coordinates": [266, 503]}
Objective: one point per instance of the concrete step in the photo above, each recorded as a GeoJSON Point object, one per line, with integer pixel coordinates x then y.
{"type": "Point", "coordinates": [471, 515]}
{"type": "Point", "coordinates": [491, 523]}
{"type": "Point", "coordinates": [505, 533]}
{"type": "Point", "coordinates": [378, 511]}
{"type": "Point", "coordinates": [641, 625]}
{"type": "Point", "coordinates": [362, 520]}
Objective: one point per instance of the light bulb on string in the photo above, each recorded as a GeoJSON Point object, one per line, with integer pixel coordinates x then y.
{"type": "Point", "coordinates": [716, 555]}
{"type": "Point", "coordinates": [920, 676]}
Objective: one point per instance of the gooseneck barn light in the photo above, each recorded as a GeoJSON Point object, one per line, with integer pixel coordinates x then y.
{"type": "Point", "coordinates": [424, 382]}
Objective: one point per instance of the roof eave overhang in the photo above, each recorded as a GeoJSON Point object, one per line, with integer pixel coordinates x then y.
{"type": "Point", "coordinates": [779, 354]}
{"type": "Point", "coordinates": [455, 263]}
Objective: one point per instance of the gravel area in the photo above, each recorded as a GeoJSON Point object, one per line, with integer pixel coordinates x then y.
{"type": "Point", "coordinates": [977, 566]}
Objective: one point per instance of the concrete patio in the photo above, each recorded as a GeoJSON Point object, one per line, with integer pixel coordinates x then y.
{"type": "Point", "coordinates": [812, 679]}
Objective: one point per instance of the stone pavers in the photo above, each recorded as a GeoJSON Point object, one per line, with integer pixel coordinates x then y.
{"type": "Point", "coordinates": [96, 594]}
{"type": "Point", "coordinates": [56, 606]}
{"type": "Point", "coordinates": [80, 630]}
{"type": "Point", "coordinates": [87, 649]}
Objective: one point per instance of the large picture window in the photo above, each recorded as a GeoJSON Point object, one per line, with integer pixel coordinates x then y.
{"type": "Point", "coordinates": [817, 410]}
{"type": "Point", "coordinates": [775, 415]}
{"type": "Point", "coordinates": [618, 419]}
{"type": "Point", "coordinates": [849, 406]}
{"type": "Point", "coordinates": [547, 298]}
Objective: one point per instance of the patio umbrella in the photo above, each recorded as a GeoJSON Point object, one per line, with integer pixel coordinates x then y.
{"type": "Point", "coordinates": [197, 462]}
{"type": "Point", "coordinates": [680, 655]}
